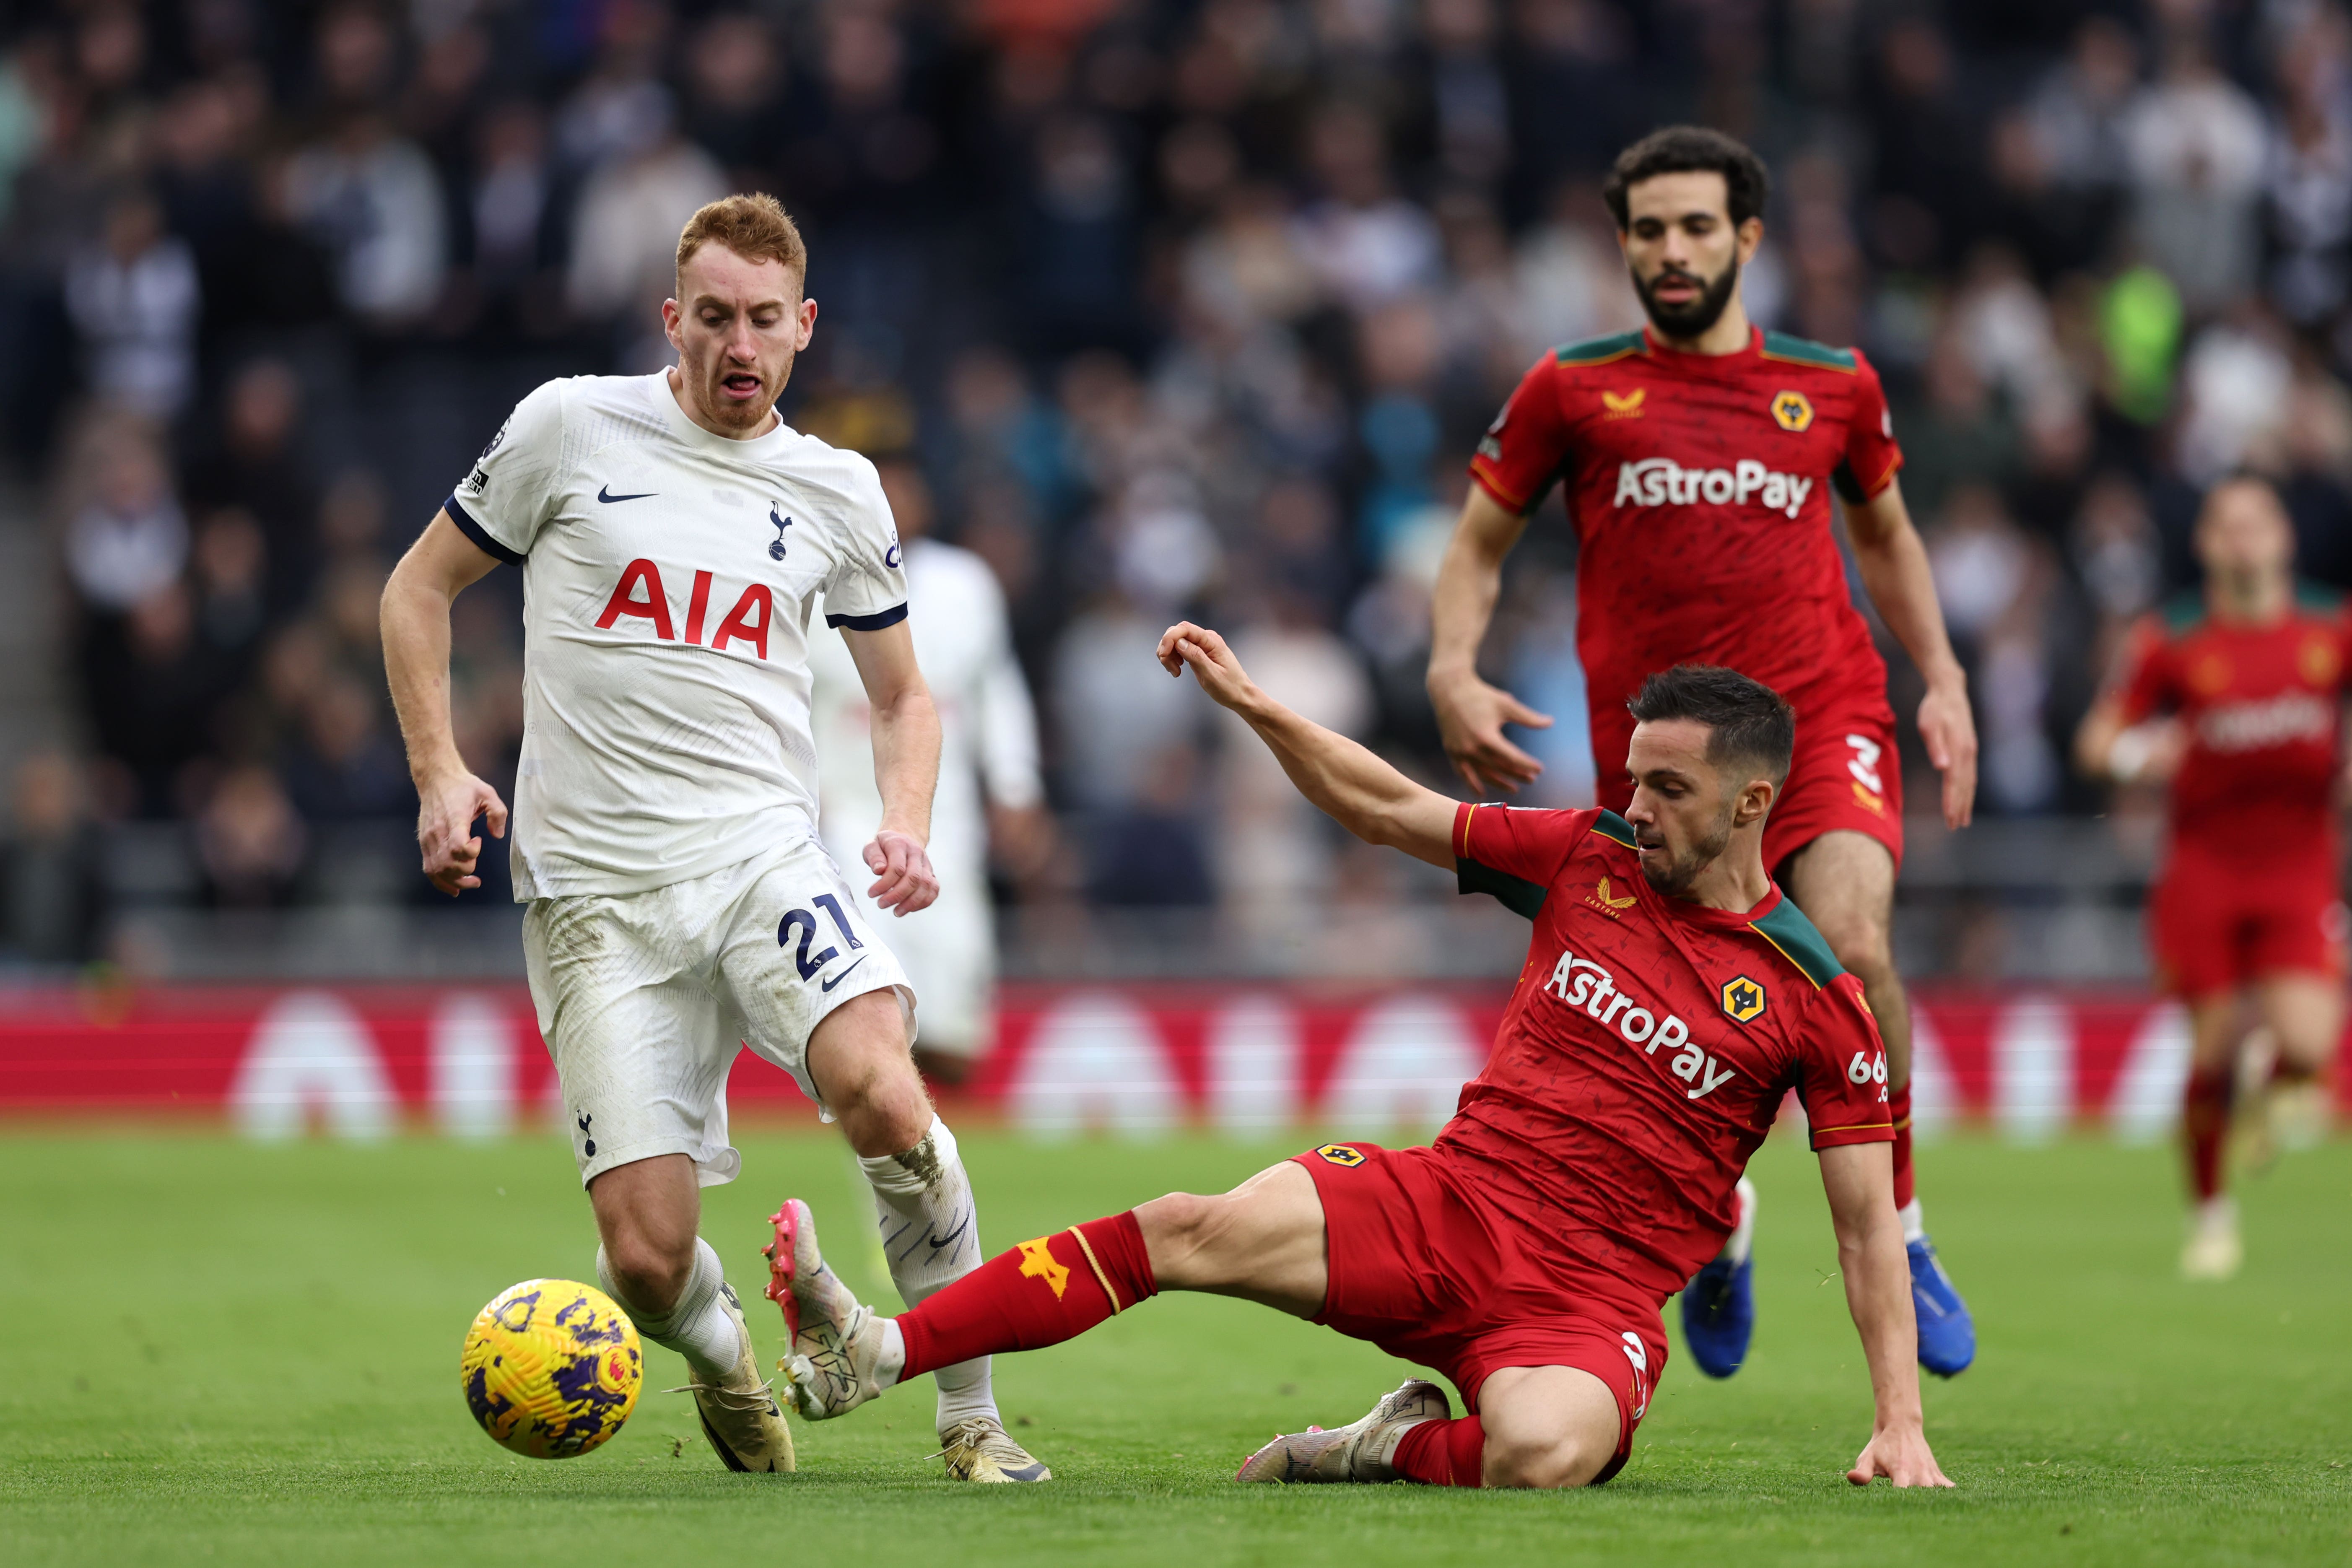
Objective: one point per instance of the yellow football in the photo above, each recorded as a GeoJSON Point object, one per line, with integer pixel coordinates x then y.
{"type": "Point", "coordinates": [551, 1368]}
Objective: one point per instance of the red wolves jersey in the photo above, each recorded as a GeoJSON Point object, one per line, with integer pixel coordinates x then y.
{"type": "Point", "coordinates": [1645, 1051]}
{"type": "Point", "coordinates": [2261, 705]}
{"type": "Point", "coordinates": [1698, 485]}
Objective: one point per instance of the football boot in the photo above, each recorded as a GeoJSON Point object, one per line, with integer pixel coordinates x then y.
{"type": "Point", "coordinates": [1719, 1302]}
{"type": "Point", "coordinates": [739, 1412]}
{"type": "Point", "coordinates": [836, 1339]}
{"type": "Point", "coordinates": [979, 1449]}
{"type": "Point", "coordinates": [2213, 1251]}
{"type": "Point", "coordinates": [1362, 1450]}
{"type": "Point", "coordinates": [1947, 1335]}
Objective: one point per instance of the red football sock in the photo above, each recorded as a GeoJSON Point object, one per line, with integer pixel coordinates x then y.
{"type": "Point", "coordinates": [2204, 1126]}
{"type": "Point", "coordinates": [1900, 1103]}
{"type": "Point", "coordinates": [1040, 1293]}
{"type": "Point", "coordinates": [1442, 1453]}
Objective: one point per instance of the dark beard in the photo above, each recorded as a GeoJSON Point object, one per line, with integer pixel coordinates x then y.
{"type": "Point", "coordinates": [1691, 320]}
{"type": "Point", "coordinates": [1676, 881]}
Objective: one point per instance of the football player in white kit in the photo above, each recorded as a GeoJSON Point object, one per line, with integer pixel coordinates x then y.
{"type": "Point", "coordinates": [673, 535]}
{"type": "Point", "coordinates": [989, 787]}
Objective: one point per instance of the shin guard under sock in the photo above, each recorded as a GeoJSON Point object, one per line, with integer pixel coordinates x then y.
{"type": "Point", "coordinates": [1900, 1103]}
{"type": "Point", "coordinates": [1040, 1293]}
{"type": "Point", "coordinates": [698, 1326]}
{"type": "Point", "coordinates": [1442, 1453]}
{"type": "Point", "coordinates": [931, 1238]}
{"type": "Point", "coordinates": [2205, 1128]}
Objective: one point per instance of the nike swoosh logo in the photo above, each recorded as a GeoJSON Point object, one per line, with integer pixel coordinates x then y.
{"type": "Point", "coordinates": [837, 979]}
{"type": "Point", "coordinates": [608, 498]}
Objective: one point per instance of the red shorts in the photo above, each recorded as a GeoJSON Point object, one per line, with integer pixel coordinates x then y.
{"type": "Point", "coordinates": [2216, 924]}
{"type": "Point", "coordinates": [1845, 774]}
{"type": "Point", "coordinates": [1423, 1270]}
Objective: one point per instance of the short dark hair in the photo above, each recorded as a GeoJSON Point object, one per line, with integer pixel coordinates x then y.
{"type": "Point", "coordinates": [1748, 721]}
{"type": "Point", "coordinates": [1690, 150]}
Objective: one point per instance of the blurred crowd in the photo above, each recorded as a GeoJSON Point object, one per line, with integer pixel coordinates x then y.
{"type": "Point", "coordinates": [1176, 307]}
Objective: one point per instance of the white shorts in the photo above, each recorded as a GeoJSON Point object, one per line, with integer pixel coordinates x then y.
{"type": "Point", "coordinates": [645, 998]}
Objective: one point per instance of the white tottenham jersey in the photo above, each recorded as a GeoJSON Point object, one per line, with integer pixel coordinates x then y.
{"type": "Point", "coordinates": [668, 576]}
{"type": "Point", "coordinates": [988, 730]}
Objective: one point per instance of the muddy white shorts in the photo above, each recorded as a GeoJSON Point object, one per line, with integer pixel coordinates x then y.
{"type": "Point", "coordinates": [645, 998]}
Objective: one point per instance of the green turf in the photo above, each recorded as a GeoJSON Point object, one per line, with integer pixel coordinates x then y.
{"type": "Point", "coordinates": [249, 1354]}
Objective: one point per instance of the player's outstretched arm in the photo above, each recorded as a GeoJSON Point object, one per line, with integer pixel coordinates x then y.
{"type": "Point", "coordinates": [1894, 565]}
{"type": "Point", "coordinates": [1860, 1181]}
{"type": "Point", "coordinates": [414, 621]}
{"type": "Point", "coordinates": [1355, 788]}
{"type": "Point", "coordinates": [1470, 712]}
{"type": "Point", "coordinates": [905, 767]}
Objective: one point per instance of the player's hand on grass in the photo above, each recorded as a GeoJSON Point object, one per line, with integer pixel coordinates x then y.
{"type": "Point", "coordinates": [1471, 714]}
{"type": "Point", "coordinates": [1950, 730]}
{"type": "Point", "coordinates": [446, 810]}
{"type": "Point", "coordinates": [904, 881]}
{"type": "Point", "coordinates": [1221, 675]}
{"type": "Point", "coordinates": [1901, 1455]}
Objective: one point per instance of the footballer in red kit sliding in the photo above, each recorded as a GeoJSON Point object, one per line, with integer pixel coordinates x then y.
{"type": "Point", "coordinates": [1649, 1024]}
{"type": "Point", "coordinates": [1670, 997]}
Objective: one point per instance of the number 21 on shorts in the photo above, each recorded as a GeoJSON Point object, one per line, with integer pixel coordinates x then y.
{"type": "Point", "coordinates": [806, 923]}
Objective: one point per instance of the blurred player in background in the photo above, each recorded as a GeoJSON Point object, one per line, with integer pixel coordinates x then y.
{"type": "Point", "coordinates": [1699, 458]}
{"type": "Point", "coordinates": [1670, 997]}
{"type": "Point", "coordinates": [673, 532]}
{"type": "Point", "coordinates": [2234, 696]}
{"type": "Point", "coordinates": [989, 792]}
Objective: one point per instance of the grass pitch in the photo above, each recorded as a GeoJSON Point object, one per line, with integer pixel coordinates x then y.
{"type": "Point", "coordinates": [225, 1352]}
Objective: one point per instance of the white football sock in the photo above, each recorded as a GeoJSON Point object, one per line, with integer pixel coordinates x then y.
{"type": "Point", "coordinates": [1742, 1239]}
{"type": "Point", "coordinates": [2220, 1212]}
{"type": "Point", "coordinates": [698, 1326]}
{"type": "Point", "coordinates": [931, 1238]}
{"type": "Point", "coordinates": [1913, 1227]}
{"type": "Point", "coordinates": [893, 1359]}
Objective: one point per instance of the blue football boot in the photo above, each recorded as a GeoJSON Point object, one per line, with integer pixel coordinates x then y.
{"type": "Point", "coordinates": [1947, 1335]}
{"type": "Point", "coordinates": [1719, 1302]}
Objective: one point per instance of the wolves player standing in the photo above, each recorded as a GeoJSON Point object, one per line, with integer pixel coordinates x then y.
{"type": "Point", "coordinates": [1699, 458]}
{"type": "Point", "coordinates": [988, 774]}
{"type": "Point", "coordinates": [673, 532]}
{"type": "Point", "coordinates": [2234, 695]}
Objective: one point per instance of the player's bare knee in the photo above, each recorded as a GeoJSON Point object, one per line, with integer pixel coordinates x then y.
{"type": "Point", "coordinates": [884, 1113]}
{"type": "Point", "coordinates": [859, 1061]}
{"type": "Point", "coordinates": [650, 1273]}
{"type": "Point", "coordinates": [1863, 945]}
{"type": "Point", "coordinates": [2306, 1053]}
{"type": "Point", "coordinates": [1180, 1232]}
{"type": "Point", "coordinates": [1542, 1463]}
{"type": "Point", "coordinates": [1179, 1219]}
